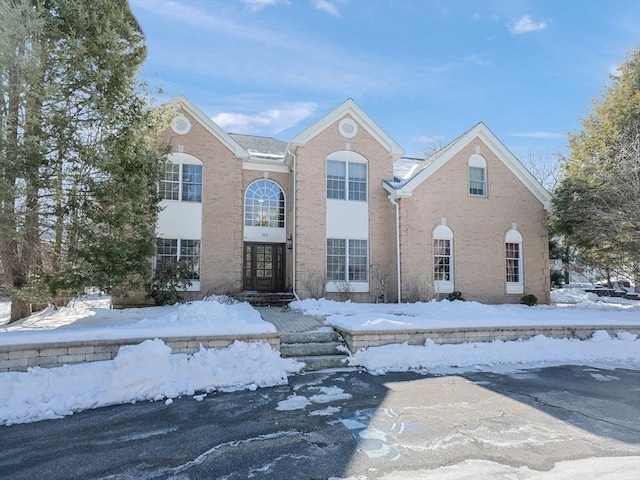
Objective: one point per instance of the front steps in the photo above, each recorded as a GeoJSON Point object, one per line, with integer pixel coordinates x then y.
{"type": "Point", "coordinates": [317, 350]}
{"type": "Point", "coordinates": [265, 299]}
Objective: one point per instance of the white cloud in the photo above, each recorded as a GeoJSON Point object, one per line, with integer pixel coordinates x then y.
{"type": "Point", "coordinates": [549, 135]}
{"type": "Point", "coordinates": [429, 139]}
{"type": "Point", "coordinates": [268, 122]}
{"type": "Point", "coordinates": [526, 25]}
{"type": "Point", "coordinates": [255, 5]}
{"type": "Point", "coordinates": [327, 7]}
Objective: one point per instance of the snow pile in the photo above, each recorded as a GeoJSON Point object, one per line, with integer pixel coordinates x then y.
{"type": "Point", "coordinates": [223, 319]}
{"type": "Point", "coordinates": [600, 350]}
{"type": "Point", "coordinates": [582, 299]}
{"type": "Point", "coordinates": [93, 320]}
{"type": "Point", "coordinates": [147, 371]}
{"type": "Point", "coordinates": [446, 314]}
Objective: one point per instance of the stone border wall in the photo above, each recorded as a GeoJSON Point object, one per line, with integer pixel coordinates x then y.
{"type": "Point", "coordinates": [18, 358]}
{"type": "Point", "coordinates": [356, 340]}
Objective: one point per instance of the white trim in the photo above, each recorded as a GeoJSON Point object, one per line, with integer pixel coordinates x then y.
{"type": "Point", "coordinates": [513, 288]}
{"type": "Point", "coordinates": [348, 128]}
{"type": "Point", "coordinates": [513, 236]}
{"type": "Point", "coordinates": [497, 147]}
{"type": "Point", "coordinates": [477, 161]}
{"type": "Point", "coordinates": [183, 102]}
{"type": "Point", "coordinates": [349, 107]}
{"type": "Point", "coordinates": [266, 166]}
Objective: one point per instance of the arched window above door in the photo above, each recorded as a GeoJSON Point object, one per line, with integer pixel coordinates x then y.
{"type": "Point", "coordinates": [264, 205]}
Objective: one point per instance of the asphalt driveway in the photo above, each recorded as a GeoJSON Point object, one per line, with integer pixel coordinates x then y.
{"type": "Point", "coordinates": [352, 424]}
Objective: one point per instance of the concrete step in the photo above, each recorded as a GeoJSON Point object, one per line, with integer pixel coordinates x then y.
{"type": "Point", "coordinates": [310, 349]}
{"type": "Point", "coordinates": [320, 362]}
{"type": "Point", "coordinates": [266, 299]}
{"type": "Point", "coordinates": [327, 336]}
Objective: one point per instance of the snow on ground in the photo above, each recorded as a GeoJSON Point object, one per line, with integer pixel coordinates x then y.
{"type": "Point", "coordinates": [573, 307]}
{"type": "Point", "coordinates": [149, 371]}
{"type": "Point", "coordinates": [499, 356]}
{"type": "Point", "coordinates": [93, 319]}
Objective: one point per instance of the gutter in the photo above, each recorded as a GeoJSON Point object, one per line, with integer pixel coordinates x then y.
{"type": "Point", "coordinates": [393, 199]}
{"type": "Point", "coordinates": [293, 223]}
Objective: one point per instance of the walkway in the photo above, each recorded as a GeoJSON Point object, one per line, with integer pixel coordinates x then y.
{"type": "Point", "coordinates": [290, 322]}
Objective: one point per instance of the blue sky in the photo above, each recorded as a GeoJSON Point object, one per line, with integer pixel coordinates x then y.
{"type": "Point", "coordinates": [426, 71]}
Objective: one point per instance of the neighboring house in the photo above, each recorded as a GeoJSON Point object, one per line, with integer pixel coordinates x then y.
{"type": "Point", "coordinates": [338, 211]}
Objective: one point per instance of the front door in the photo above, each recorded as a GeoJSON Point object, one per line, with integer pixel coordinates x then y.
{"type": "Point", "coordinates": [264, 266]}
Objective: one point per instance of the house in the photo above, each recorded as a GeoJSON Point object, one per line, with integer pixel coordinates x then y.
{"type": "Point", "coordinates": [337, 211]}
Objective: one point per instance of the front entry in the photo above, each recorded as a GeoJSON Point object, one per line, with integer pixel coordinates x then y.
{"type": "Point", "coordinates": [264, 267]}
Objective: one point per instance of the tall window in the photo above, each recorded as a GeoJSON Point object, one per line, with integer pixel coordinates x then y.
{"type": "Point", "coordinates": [347, 260]}
{"type": "Point", "coordinates": [181, 182]}
{"type": "Point", "coordinates": [513, 262]}
{"type": "Point", "coordinates": [477, 176]}
{"type": "Point", "coordinates": [172, 250]}
{"type": "Point", "coordinates": [264, 205]}
{"type": "Point", "coordinates": [443, 259]}
{"type": "Point", "coordinates": [338, 172]}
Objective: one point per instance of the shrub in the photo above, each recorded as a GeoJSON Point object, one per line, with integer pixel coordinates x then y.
{"type": "Point", "coordinates": [168, 281]}
{"type": "Point", "coordinates": [453, 296]}
{"type": "Point", "coordinates": [529, 299]}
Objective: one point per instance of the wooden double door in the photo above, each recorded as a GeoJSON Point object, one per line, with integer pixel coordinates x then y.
{"type": "Point", "coordinates": [263, 267]}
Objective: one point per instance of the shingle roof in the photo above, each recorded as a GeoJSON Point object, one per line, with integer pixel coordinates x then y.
{"type": "Point", "coordinates": [265, 147]}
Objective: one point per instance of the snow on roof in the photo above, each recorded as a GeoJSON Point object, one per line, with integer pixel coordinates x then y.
{"type": "Point", "coordinates": [405, 167]}
{"type": "Point", "coordinates": [263, 147]}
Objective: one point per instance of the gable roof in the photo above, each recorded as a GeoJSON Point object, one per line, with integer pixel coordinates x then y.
{"type": "Point", "coordinates": [438, 159]}
{"type": "Point", "coordinates": [213, 128]}
{"type": "Point", "coordinates": [351, 108]}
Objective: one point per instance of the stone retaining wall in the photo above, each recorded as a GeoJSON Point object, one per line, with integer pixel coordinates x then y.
{"type": "Point", "coordinates": [21, 357]}
{"type": "Point", "coordinates": [356, 340]}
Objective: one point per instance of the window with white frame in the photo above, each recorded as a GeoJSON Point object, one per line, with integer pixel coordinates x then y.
{"type": "Point", "coordinates": [185, 251]}
{"type": "Point", "coordinates": [513, 262]}
{"type": "Point", "coordinates": [347, 260]}
{"type": "Point", "coordinates": [347, 180]}
{"type": "Point", "coordinates": [264, 204]}
{"type": "Point", "coordinates": [443, 259]}
{"type": "Point", "coordinates": [477, 176]}
{"type": "Point", "coordinates": [181, 181]}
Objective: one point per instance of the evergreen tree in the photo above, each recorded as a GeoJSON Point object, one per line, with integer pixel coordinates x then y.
{"type": "Point", "coordinates": [596, 203]}
{"type": "Point", "coordinates": [78, 167]}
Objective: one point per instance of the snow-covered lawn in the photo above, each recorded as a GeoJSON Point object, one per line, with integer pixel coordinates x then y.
{"type": "Point", "coordinates": [149, 371]}
{"type": "Point", "coordinates": [572, 307]}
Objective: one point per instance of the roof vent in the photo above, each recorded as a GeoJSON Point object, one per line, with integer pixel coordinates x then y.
{"type": "Point", "coordinates": [180, 125]}
{"type": "Point", "coordinates": [348, 128]}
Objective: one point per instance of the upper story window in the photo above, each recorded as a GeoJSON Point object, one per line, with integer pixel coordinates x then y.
{"type": "Point", "coordinates": [347, 180]}
{"type": "Point", "coordinates": [477, 175]}
{"type": "Point", "coordinates": [264, 204]}
{"type": "Point", "coordinates": [181, 179]}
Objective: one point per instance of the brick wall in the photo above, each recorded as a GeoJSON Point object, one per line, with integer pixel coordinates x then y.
{"type": "Point", "coordinates": [311, 205]}
{"type": "Point", "coordinates": [479, 225]}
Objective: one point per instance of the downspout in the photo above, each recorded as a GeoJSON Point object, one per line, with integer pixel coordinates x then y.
{"type": "Point", "coordinates": [293, 224]}
{"type": "Point", "coordinates": [393, 199]}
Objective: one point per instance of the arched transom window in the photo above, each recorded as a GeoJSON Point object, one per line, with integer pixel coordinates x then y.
{"type": "Point", "coordinates": [264, 205]}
